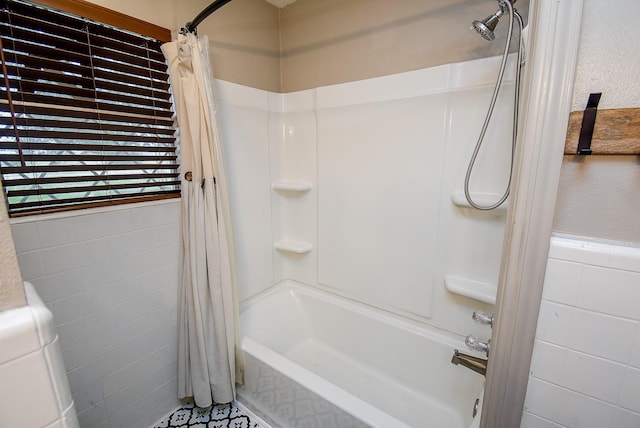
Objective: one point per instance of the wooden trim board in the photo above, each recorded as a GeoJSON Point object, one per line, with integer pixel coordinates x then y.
{"type": "Point", "coordinates": [616, 132]}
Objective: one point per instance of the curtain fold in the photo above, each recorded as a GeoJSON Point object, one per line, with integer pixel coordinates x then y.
{"type": "Point", "coordinates": [209, 355]}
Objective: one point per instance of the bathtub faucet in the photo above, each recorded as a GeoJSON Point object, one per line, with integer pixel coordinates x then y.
{"type": "Point", "coordinates": [476, 364]}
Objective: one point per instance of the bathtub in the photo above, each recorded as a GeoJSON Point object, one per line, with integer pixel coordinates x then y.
{"type": "Point", "coordinates": [314, 359]}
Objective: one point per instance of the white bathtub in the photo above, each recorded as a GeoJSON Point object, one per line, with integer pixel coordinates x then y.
{"type": "Point", "coordinates": [318, 360]}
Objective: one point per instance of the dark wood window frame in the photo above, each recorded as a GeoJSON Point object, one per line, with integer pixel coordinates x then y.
{"type": "Point", "coordinates": [86, 114]}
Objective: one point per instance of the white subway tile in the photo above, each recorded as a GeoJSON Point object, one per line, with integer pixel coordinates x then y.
{"type": "Point", "coordinates": [580, 251]}
{"type": "Point", "coordinates": [118, 221]}
{"type": "Point", "coordinates": [635, 351]}
{"type": "Point", "coordinates": [91, 226]}
{"type": "Point", "coordinates": [127, 417]}
{"type": "Point", "coordinates": [120, 358]}
{"type": "Point", "coordinates": [144, 217]}
{"type": "Point", "coordinates": [167, 213]}
{"type": "Point", "coordinates": [561, 281]}
{"type": "Point", "coordinates": [93, 416]}
{"type": "Point", "coordinates": [162, 401]}
{"type": "Point", "coordinates": [625, 258]}
{"type": "Point", "coordinates": [127, 376]}
{"type": "Point", "coordinates": [70, 308]}
{"type": "Point", "coordinates": [20, 337]}
{"type": "Point", "coordinates": [60, 259]}
{"type": "Point", "coordinates": [80, 354]}
{"type": "Point", "coordinates": [76, 331]}
{"type": "Point", "coordinates": [40, 284]}
{"type": "Point", "coordinates": [541, 398]}
{"type": "Point", "coordinates": [88, 397]}
{"type": "Point", "coordinates": [133, 242]}
{"type": "Point", "coordinates": [31, 265]}
{"type": "Point", "coordinates": [120, 400]}
{"type": "Point", "coordinates": [630, 394]}
{"type": "Point", "coordinates": [611, 291]}
{"type": "Point", "coordinates": [593, 376]}
{"type": "Point", "coordinates": [93, 252]}
{"type": "Point", "coordinates": [65, 284]}
{"type": "Point", "coordinates": [58, 374]}
{"type": "Point", "coordinates": [100, 274]}
{"type": "Point", "coordinates": [25, 237]}
{"type": "Point", "coordinates": [82, 376]}
{"type": "Point", "coordinates": [55, 232]}
{"type": "Point", "coordinates": [168, 234]}
{"type": "Point", "coordinates": [555, 323]}
{"type": "Point", "coordinates": [532, 421]}
{"type": "Point", "coordinates": [577, 410]}
{"type": "Point", "coordinates": [604, 336]}
{"type": "Point", "coordinates": [547, 361]}
{"type": "Point", "coordinates": [28, 377]}
{"type": "Point", "coordinates": [626, 419]}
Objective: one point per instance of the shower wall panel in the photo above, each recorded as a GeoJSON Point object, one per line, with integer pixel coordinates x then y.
{"type": "Point", "coordinates": [379, 173]}
{"type": "Point", "coordinates": [349, 188]}
{"type": "Point", "coordinates": [293, 161]}
{"type": "Point", "coordinates": [244, 125]}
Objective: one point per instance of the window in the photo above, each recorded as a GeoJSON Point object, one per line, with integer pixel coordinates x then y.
{"type": "Point", "coordinates": [86, 115]}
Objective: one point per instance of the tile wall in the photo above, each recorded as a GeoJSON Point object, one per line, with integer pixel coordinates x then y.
{"type": "Point", "coordinates": [585, 370]}
{"type": "Point", "coordinates": [110, 279]}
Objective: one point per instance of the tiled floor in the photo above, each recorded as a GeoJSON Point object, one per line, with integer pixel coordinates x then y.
{"type": "Point", "coordinates": [218, 416]}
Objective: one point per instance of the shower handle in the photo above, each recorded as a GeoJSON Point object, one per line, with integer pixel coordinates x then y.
{"type": "Point", "coordinates": [482, 318]}
{"type": "Point", "coordinates": [478, 345]}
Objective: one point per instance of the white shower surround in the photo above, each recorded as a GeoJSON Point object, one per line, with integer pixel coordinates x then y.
{"type": "Point", "coordinates": [403, 141]}
{"type": "Point", "coordinates": [350, 189]}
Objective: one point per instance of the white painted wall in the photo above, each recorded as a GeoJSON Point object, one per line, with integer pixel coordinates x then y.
{"type": "Point", "coordinates": [383, 157]}
{"type": "Point", "coordinates": [598, 195]}
{"type": "Point", "coordinates": [608, 60]}
{"type": "Point", "coordinates": [11, 289]}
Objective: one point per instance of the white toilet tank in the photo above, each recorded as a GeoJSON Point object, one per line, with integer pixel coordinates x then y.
{"type": "Point", "coordinates": [34, 390]}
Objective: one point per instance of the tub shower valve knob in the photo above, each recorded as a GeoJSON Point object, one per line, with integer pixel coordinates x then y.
{"type": "Point", "coordinates": [482, 318]}
{"type": "Point", "coordinates": [477, 345]}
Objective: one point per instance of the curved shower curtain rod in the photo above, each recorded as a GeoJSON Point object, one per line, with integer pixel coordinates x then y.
{"type": "Point", "coordinates": [192, 26]}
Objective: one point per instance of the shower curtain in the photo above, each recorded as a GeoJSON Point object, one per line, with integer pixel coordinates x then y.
{"type": "Point", "coordinates": [209, 357]}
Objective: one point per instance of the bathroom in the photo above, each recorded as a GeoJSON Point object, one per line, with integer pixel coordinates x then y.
{"type": "Point", "coordinates": [325, 58]}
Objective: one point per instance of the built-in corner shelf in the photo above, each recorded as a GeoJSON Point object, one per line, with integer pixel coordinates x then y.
{"type": "Point", "coordinates": [476, 290]}
{"type": "Point", "coordinates": [484, 199]}
{"type": "Point", "coordinates": [292, 186]}
{"type": "Point", "coordinates": [293, 246]}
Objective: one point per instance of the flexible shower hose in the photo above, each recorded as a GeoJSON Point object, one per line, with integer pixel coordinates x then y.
{"type": "Point", "coordinates": [492, 104]}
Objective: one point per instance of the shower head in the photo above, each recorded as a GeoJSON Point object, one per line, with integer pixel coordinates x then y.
{"type": "Point", "coordinates": [486, 27]}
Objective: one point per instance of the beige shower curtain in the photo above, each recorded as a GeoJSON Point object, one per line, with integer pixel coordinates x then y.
{"type": "Point", "coordinates": [209, 357]}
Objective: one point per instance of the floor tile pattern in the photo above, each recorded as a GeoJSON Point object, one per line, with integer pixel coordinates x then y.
{"type": "Point", "coordinates": [218, 416]}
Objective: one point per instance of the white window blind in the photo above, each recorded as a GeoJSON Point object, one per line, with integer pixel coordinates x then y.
{"type": "Point", "coordinates": [86, 115]}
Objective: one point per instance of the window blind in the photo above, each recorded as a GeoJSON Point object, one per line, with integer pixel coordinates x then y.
{"type": "Point", "coordinates": [86, 115]}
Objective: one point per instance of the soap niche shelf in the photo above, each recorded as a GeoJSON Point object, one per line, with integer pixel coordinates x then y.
{"type": "Point", "coordinates": [294, 186]}
{"type": "Point", "coordinates": [484, 199]}
{"type": "Point", "coordinates": [293, 246]}
{"type": "Point", "coordinates": [472, 289]}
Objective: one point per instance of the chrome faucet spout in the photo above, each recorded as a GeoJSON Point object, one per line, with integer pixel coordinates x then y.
{"type": "Point", "coordinates": [476, 364]}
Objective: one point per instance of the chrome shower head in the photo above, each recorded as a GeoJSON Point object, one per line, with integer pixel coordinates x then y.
{"type": "Point", "coordinates": [486, 27]}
